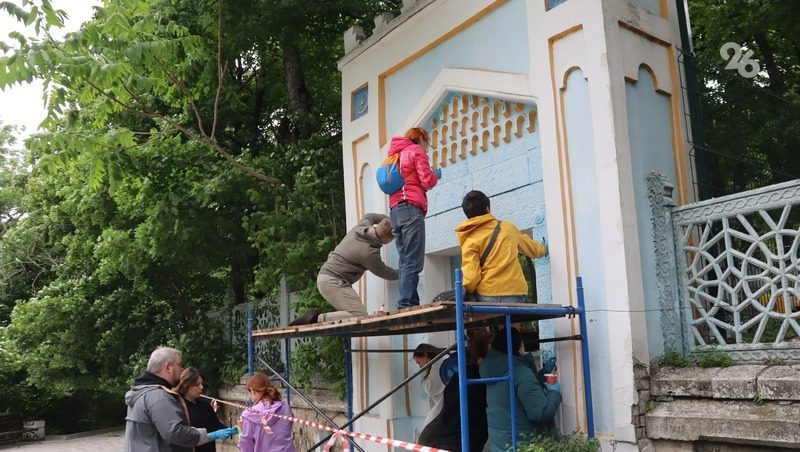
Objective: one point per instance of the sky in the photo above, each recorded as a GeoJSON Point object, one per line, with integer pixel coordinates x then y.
{"type": "Point", "coordinates": [22, 104]}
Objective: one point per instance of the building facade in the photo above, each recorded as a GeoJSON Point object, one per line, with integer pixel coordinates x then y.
{"type": "Point", "coordinates": [558, 110]}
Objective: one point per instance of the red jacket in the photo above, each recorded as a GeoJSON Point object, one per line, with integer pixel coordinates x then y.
{"type": "Point", "coordinates": [416, 172]}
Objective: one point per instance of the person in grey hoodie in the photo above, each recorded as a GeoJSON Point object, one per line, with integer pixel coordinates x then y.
{"type": "Point", "coordinates": [359, 251]}
{"type": "Point", "coordinates": [157, 419]}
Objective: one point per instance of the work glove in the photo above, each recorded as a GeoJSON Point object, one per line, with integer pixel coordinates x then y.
{"type": "Point", "coordinates": [549, 365]}
{"type": "Point", "coordinates": [554, 387]}
{"type": "Point", "coordinates": [223, 433]}
{"type": "Point", "coordinates": [438, 173]}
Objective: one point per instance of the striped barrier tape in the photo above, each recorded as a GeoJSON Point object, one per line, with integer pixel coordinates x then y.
{"type": "Point", "coordinates": [332, 441]}
{"type": "Point", "coordinates": [339, 432]}
{"type": "Point", "coordinates": [365, 436]}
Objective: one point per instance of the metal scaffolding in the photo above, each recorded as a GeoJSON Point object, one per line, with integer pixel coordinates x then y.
{"type": "Point", "coordinates": [455, 315]}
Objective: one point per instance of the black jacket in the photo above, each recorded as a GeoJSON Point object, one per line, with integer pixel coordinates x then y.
{"type": "Point", "coordinates": [201, 415]}
{"type": "Point", "coordinates": [448, 435]}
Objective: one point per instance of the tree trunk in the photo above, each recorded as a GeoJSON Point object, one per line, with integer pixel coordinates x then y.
{"type": "Point", "coordinates": [238, 282]}
{"type": "Point", "coordinates": [299, 97]}
{"type": "Point", "coordinates": [776, 84]}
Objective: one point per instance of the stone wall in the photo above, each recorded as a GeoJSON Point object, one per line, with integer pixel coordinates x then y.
{"type": "Point", "coordinates": [745, 407]}
{"type": "Point", "coordinates": [641, 374]}
{"type": "Point", "coordinates": [304, 436]}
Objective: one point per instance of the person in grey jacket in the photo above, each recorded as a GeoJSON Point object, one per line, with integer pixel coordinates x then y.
{"type": "Point", "coordinates": [359, 251]}
{"type": "Point", "coordinates": [157, 419]}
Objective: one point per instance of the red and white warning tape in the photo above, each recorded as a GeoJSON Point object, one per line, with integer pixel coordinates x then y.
{"type": "Point", "coordinates": [374, 438]}
{"type": "Point", "coordinates": [332, 441]}
{"type": "Point", "coordinates": [235, 405]}
{"type": "Point", "coordinates": [341, 433]}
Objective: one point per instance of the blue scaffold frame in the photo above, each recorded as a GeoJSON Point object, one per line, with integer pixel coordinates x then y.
{"type": "Point", "coordinates": [463, 381]}
{"type": "Point", "coordinates": [462, 309]}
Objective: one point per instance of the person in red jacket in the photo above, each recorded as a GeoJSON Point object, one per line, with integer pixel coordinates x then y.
{"type": "Point", "coordinates": [408, 208]}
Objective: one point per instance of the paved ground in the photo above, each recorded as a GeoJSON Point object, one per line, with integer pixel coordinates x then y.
{"type": "Point", "coordinates": [99, 442]}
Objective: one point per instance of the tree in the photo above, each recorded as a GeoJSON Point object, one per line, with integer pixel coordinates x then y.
{"type": "Point", "coordinates": [751, 125]}
{"type": "Point", "coordinates": [137, 60]}
{"type": "Point", "coordinates": [134, 228]}
{"type": "Point", "coordinates": [11, 184]}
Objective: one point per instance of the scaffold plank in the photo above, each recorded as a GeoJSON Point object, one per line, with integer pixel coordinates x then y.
{"type": "Point", "coordinates": [437, 316]}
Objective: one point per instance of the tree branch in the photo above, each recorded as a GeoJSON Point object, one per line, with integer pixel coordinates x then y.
{"type": "Point", "coordinates": [225, 154]}
{"type": "Point", "coordinates": [776, 84]}
{"type": "Point", "coordinates": [201, 138]}
{"type": "Point", "coordinates": [188, 95]}
{"type": "Point", "coordinates": [220, 69]}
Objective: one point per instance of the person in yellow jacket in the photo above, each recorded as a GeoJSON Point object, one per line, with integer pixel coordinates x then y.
{"type": "Point", "coordinates": [492, 271]}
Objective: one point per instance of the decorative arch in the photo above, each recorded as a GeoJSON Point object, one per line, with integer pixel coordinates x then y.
{"type": "Point", "coordinates": [646, 68]}
{"type": "Point", "coordinates": [465, 122]}
{"type": "Point", "coordinates": [569, 72]}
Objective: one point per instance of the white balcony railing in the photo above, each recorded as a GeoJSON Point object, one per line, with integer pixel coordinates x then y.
{"type": "Point", "coordinates": [737, 263]}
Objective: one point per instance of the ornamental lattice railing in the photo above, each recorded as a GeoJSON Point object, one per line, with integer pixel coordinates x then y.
{"type": "Point", "coordinates": [739, 272]}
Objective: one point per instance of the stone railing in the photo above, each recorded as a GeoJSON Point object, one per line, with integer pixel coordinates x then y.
{"type": "Point", "coordinates": [271, 312]}
{"type": "Point", "coordinates": [266, 314]}
{"type": "Point", "coordinates": [738, 272]}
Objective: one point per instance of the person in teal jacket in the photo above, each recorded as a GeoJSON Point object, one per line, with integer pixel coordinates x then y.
{"type": "Point", "coordinates": [536, 403]}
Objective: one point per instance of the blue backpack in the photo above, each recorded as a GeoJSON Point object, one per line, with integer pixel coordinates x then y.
{"type": "Point", "coordinates": [449, 368]}
{"type": "Point", "coordinates": [389, 178]}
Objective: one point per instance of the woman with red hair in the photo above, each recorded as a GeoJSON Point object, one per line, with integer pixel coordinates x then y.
{"type": "Point", "coordinates": [408, 207]}
{"type": "Point", "coordinates": [260, 430]}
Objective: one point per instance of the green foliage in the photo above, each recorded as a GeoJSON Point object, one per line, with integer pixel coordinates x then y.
{"type": "Point", "coordinates": [774, 326]}
{"type": "Point", "coordinates": [129, 229]}
{"type": "Point", "coordinates": [775, 362]}
{"type": "Point", "coordinates": [305, 221]}
{"type": "Point", "coordinates": [714, 358]}
{"type": "Point", "coordinates": [12, 181]}
{"type": "Point", "coordinates": [233, 367]}
{"type": "Point", "coordinates": [205, 345]}
{"type": "Point", "coordinates": [321, 356]}
{"type": "Point", "coordinates": [16, 396]}
{"type": "Point", "coordinates": [750, 125]}
{"type": "Point", "coordinates": [560, 443]}
{"type": "Point", "coordinates": [674, 358]}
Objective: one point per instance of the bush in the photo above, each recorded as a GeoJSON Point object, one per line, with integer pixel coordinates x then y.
{"type": "Point", "coordinates": [574, 442]}
{"type": "Point", "coordinates": [322, 356]}
{"type": "Point", "coordinates": [714, 358]}
{"type": "Point", "coordinates": [83, 411]}
{"type": "Point", "coordinates": [676, 359]}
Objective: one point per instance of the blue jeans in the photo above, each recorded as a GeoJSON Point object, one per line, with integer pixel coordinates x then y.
{"type": "Point", "coordinates": [501, 298]}
{"type": "Point", "coordinates": [408, 226]}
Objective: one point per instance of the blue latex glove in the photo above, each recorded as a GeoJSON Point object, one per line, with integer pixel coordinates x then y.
{"type": "Point", "coordinates": [549, 365]}
{"type": "Point", "coordinates": [438, 173]}
{"type": "Point", "coordinates": [222, 433]}
{"type": "Point", "coordinates": [554, 387]}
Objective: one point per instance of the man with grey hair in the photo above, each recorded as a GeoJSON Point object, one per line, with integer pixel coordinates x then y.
{"type": "Point", "coordinates": [158, 420]}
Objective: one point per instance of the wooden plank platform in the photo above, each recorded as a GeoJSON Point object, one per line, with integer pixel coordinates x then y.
{"type": "Point", "coordinates": [438, 316]}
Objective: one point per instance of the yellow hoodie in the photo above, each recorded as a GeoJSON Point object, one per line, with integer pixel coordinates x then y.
{"type": "Point", "coordinates": [501, 273]}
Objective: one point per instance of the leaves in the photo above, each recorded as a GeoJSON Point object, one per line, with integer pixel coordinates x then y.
{"type": "Point", "coordinates": [131, 231]}
{"type": "Point", "coordinates": [750, 124]}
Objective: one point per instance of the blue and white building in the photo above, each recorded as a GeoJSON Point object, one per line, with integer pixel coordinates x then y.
{"type": "Point", "coordinates": [558, 110]}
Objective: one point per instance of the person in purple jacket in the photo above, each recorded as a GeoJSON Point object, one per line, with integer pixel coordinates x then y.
{"type": "Point", "coordinates": [260, 432]}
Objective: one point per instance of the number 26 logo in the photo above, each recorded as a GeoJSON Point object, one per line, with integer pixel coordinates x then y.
{"type": "Point", "coordinates": [747, 66]}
